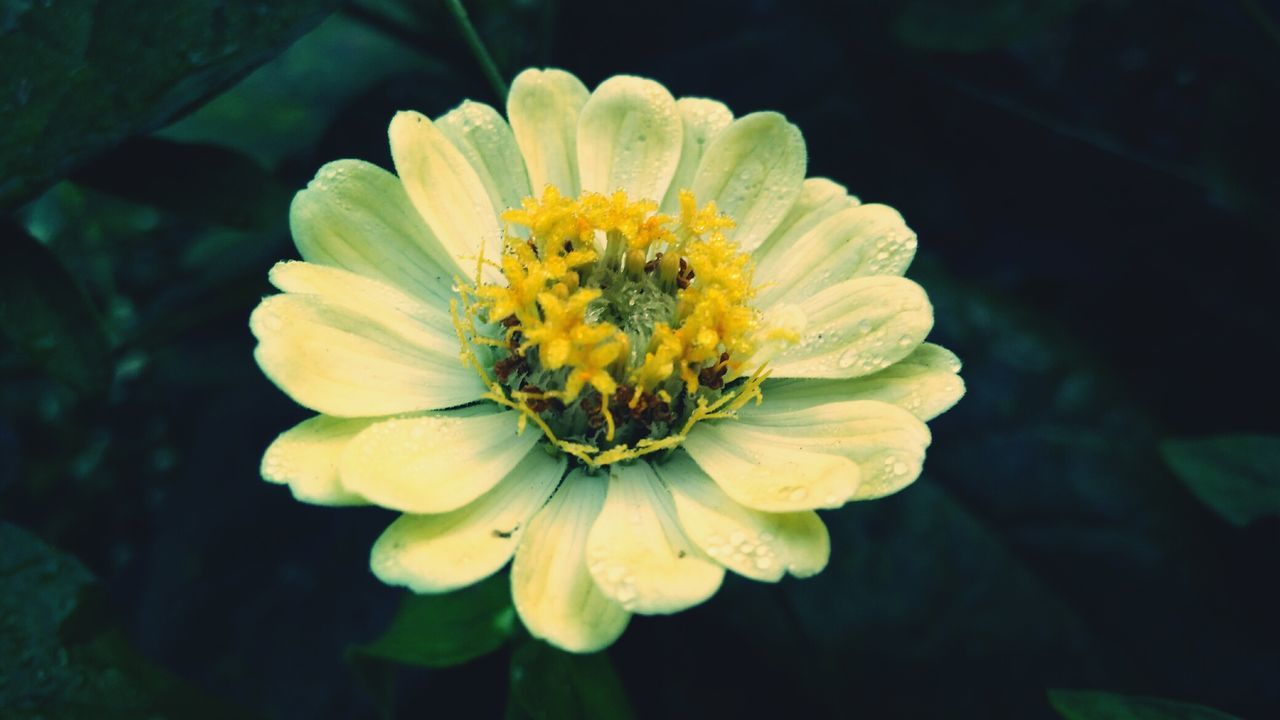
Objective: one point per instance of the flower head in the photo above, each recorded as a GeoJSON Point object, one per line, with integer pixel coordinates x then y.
{"type": "Point", "coordinates": [620, 338]}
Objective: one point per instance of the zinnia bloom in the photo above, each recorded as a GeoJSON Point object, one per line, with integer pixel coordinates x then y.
{"type": "Point", "coordinates": [620, 338]}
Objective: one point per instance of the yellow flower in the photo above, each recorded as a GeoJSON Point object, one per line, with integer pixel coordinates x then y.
{"type": "Point", "coordinates": [617, 337]}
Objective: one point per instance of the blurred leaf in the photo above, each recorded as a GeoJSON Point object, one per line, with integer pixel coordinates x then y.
{"type": "Point", "coordinates": [44, 312]}
{"type": "Point", "coordinates": [63, 659]}
{"type": "Point", "coordinates": [1238, 476]}
{"type": "Point", "coordinates": [976, 25]}
{"type": "Point", "coordinates": [205, 182]}
{"type": "Point", "coordinates": [1093, 705]}
{"type": "Point", "coordinates": [445, 630]}
{"type": "Point", "coordinates": [82, 75]}
{"type": "Point", "coordinates": [552, 684]}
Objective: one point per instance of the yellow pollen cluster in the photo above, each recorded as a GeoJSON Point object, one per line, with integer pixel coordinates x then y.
{"type": "Point", "coordinates": [570, 262]}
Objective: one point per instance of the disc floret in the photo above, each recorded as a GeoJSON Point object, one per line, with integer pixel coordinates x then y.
{"type": "Point", "coordinates": [614, 328]}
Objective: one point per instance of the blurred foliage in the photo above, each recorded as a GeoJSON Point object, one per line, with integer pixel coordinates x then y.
{"type": "Point", "coordinates": [63, 658]}
{"type": "Point", "coordinates": [1085, 705]}
{"type": "Point", "coordinates": [1236, 475]}
{"type": "Point", "coordinates": [1096, 208]}
{"type": "Point", "coordinates": [82, 75]}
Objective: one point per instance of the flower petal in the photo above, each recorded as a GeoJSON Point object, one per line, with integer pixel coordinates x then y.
{"type": "Point", "coordinates": [629, 138]}
{"type": "Point", "coordinates": [885, 441]}
{"type": "Point", "coordinates": [924, 383]}
{"type": "Point", "coordinates": [819, 199]}
{"type": "Point", "coordinates": [350, 354]}
{"type": "Point", "coordinates": [487, 142]}
{"type": "Point", "coordinates": [753, 171]}
{"type": "Point", "coordinates": [305, 457]}
{"type": "Point", "coordinates": [772, 476]}
{"type": "Point", "coordinates": [439, 553]}
{"type": "Point", "coordinates": [434, 463]}
{"type": "Point", "coordinates": [853, 328]}
{"type": "Point", "coordinates": [759, 545]}
{"type": "Point", "coordinates": [445, 189]}
{"type": "Point", "coordinates": [703, 122]}
{"type": "Point", "coordinates": [856, 242]}
{"type": "Point", "coordinates": [543, 106]}
{"type": "Point", "coordinates": [356, 216]}
{"type": "Point", "coordinates": [552, 589]}
{"type": "Point", "coordinates": [637, 553]}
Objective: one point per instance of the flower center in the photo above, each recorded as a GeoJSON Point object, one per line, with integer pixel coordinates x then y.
{"type": "Point", "coordinates": [615, 328]}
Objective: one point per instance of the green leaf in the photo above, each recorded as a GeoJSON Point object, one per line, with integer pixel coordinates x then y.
{"type": "Point", "coordinates": [1238, 476]}
{"type": "Point", "coordinates": [44, 312]}
{"type": "Point", "coordinates": [556, 685]}
{"type": "Point", "coordinates": [976, 25]}
{"type": "Point", "coordinates": [1094, 705]}
{"type": "Point", "coordinates": [63, 658]}
{"type": "Point", "coordinates": [219, 185]}
{"type": "Point", "coordinates": [445, 630]}
{"type": "Point", "coordinates": [82, 75]}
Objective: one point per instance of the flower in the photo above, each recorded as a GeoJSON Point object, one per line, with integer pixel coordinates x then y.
{"type": "Point", "coordinates": [621, 339]}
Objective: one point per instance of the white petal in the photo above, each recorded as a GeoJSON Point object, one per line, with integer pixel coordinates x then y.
{"type": "Point", "coordinates": [753, 171]}
{"type": "Point", "coordinates": [885, 441]}
{"type": "Point", "coordinates": [434, 463]}
{"type": "Point", "coordinates": [348, 355]}
{"type": "Point", "coordinates": [629, 138]}
{"type": "Point", "coordinates": [703, 122]}
{"type": "Point", "coordinates": [552, 589]}
{"type": "Point", "coordinates": [856, 242]}
{"type": "Point", "coordinates": [489, 145]}
{"type": "Point", "coordinates": [760, 472]}
{"type": "Point", "coordinates": [305, 457]}
{"type": "Point", "coordinates": [543, 106]}
{"type": "Point", "coordinates": [638, 554]}
{"type": "Point", "coordinates": [758, 545]}
{"type": "Point", "coordinates": [355, 215]}
{"type": "Point", "coordinates": [446, 190]}
{"type": "Point", "coordinates": [439, 553]}
{"type": "Point", "coordinates": [924, 383]}
{"type": "Point", "coordinates": [854, 328]}
{"type": "Point", "coordinates": [819, 199]}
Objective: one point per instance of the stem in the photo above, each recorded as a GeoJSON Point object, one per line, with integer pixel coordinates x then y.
{"type": "Point", "coordinates": [487, 65]}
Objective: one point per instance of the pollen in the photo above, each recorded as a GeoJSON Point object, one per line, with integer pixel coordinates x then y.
{"type": "Point", "coordinates": [614, 326]}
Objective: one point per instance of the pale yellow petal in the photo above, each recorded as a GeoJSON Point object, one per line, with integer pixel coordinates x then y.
{"type": "Point", "coordinates": [305, 457]}
{"type": "Point", "coordinates": [349, 360]}
{"type": "Point", "coordinates": [446, 190]}
{"type": "Point", "coordinates": [543, 107]}
{"type": "Point", "coordinates": [819, 199]}
{"type": "Point", "coordinates": [434, 463]}
{"type": "Point", "coordinates": [637, 553]}
{"type": "Point", "coordinates": [355, 215]}
{"type": "Point", "coordinates": [629, 138]}
{"type": "Point", "coordinates": [487, 142]}
{"type": "Point", "coordinates": [703, 122]}
{"type": "Point", "coordinates": [925, 383]}
{"type": "Point", "coordinates": [856, 242]}
{"type": "Point", "coordinates": [759, 545]}
{"type": "Point", "coordinates": [854, 328]}
{"type": "Point", "coordinates": [772, 476]}
{"type": "Point", "coordinates": [552, 589]}
{"type": "Point", "coordinates": [447, 551]}
{"type": "Point", "coordinates": [753, 171]}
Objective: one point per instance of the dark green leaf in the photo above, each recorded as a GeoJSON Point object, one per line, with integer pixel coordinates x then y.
{"type": "Point", "coordinates": [1236, 475]}
{"type": "Point", "coordinates": [63, 659]}
{"type": "Point", "coordinates": [206, 182]}
{"type": "Point", "coordinates": [556, 685]}
{"type": "Point", "coordinates": [82, 75]}
{"type": "Point", "coordinates": [1094, 705]}
{"type": "Point", "coordinates": [45, 313]}
{"type": "Point", "coordinates": [976, 25]}
{"type": "Point", "coordinates": [445, 630]}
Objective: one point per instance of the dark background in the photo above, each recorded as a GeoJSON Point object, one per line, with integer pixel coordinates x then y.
{"type": "Point", "coordinates": [1095, 188]}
